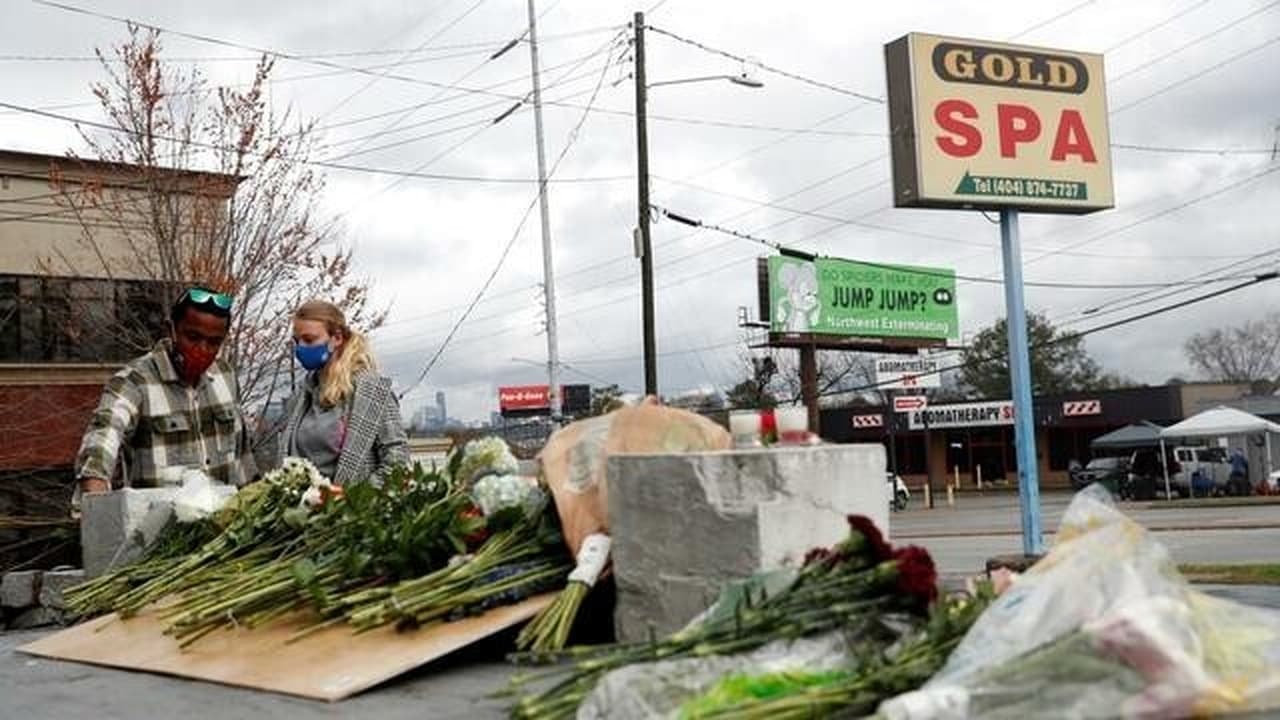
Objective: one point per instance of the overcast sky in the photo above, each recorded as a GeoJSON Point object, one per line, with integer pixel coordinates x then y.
{"type": "Point", "coordinates": [1184, 74]}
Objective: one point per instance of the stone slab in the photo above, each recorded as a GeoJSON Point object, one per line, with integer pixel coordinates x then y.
{"type": "Point", "coordinates": [117, 527]}
{"type": "Point", "coordinates": [20, 588]}
{"type": "Point", "coordinates": [55, 583]}
{"type": "Point", "coordinates": [685, 524]}
{"type": "Point", "coordinates": [37, 617]}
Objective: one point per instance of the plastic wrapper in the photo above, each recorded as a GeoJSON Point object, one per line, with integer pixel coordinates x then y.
{"type": "Point", "coordinates": [575, 458]}
{"type": "Point", "coordinates": [199, 497]}
{"type": "Point", "coordinates": [481, 457]}
{"type": "Point", "coordinates": [649, 691]}
{"type": "Point", "coordinates": [1103, 627]}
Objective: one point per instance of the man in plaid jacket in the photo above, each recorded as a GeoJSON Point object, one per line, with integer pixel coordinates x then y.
{"type": "Point", "coordinates": [172, 410]}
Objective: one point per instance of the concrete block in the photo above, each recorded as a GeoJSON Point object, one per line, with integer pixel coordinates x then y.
{"type": "Point", "coordinates": [20, 588]}
{"type": "Point", "coordinates": [117, 527]}
{"type": "Point", "coordinates": [683, 525]}
{"type": "Point", "coordinates": [54, 583]}
{"type": "Point", "coordinates": [37, 617]}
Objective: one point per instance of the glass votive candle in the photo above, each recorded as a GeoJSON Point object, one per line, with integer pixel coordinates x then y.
{"type": "Point", "coordinates": [793, 424]}
{"type": "Point", "coordinates": [744, 426]}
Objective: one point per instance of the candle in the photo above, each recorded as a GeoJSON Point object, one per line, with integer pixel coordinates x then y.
{"type": "Point", "coordinates": [744, 426]}
{"type": "Point", "coordinates": [793, 424]}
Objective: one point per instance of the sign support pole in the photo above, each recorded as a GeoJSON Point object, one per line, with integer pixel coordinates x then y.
{"type": "Point", "coordinates": [1020, 379]}
{"type": "Point", "coordinates": [928, 461]}
{"type": "Point", "coordinates": [892, 418]}
{"type": "Point", "coordinates": [809, 385]}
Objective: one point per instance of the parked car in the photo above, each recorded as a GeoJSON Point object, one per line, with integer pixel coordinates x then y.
{"type": "Point", "coordinates": [1112, 472]}
{"type": "Point", "coordinates": [899, 495]}
{"type": "Point", "coordinates": [1202, 471]}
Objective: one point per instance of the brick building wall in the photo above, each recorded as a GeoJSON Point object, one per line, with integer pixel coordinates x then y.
{"type": "Point", "coordinates": [41, 425]}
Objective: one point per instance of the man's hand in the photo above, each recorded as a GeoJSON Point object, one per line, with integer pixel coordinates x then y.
{"type": "Point", "coordinates": [94, 485]}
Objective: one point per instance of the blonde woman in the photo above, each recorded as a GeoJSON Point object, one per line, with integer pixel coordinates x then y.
{"type": "Point", "coordinates": [344, 419]}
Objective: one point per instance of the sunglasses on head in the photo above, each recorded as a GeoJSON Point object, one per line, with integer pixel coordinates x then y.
{"type": "Point", "coordinates": [201, 297]}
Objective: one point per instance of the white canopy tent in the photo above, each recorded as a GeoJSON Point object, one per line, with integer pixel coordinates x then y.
{"type": "Point", "coordinates": [1218, 422]}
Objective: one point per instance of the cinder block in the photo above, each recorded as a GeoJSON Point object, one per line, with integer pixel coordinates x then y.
{"type": "Point", "coordinates": [54, 583]}
{"type": "Point", "coordinates": [20, 588]}
{"type": "Point", "coordinates": [117, 527]}
{"type": "Point", "coordinates": [684, 525]}
{"type": "Point", "coordinates": [37, 617]}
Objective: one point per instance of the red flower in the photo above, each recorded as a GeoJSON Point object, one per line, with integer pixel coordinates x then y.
{"type": "Point", "coordinates": [880, 549]}
{"type": "Point", "coordinates": [478, 537]}
{"type": "Point", "coordinates": [818, 555]}
{"type": "Point", "coordinates": [917, 576]}
{"type": "Point", "coordinates": [768, 425]}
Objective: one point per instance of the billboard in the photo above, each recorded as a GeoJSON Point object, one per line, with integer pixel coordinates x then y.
{"type": "Point", "coordinates": [830, 296]}
{"type": "Point", "coordinates": [976, 124]}
{"type": "Point", "coordinates": [906, 373]}
{"type": "Point", "coordinates": [514, 400]}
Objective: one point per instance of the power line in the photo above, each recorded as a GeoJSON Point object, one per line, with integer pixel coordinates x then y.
{"type": "Point", "coordinates": [1159, 214]}
{"type": "Point", "coordinates": [408, 113]}
{"type": "Point", "coordinates": [479, 46]}
{"type": "Point", "coordinates": [774, 245]}
{"type": "Point", "coordinates": [1045, 23]}
{"type": "Point", "coordinates": [489, 105]}
{"type": "Point", "coordinates": [483, 123]}
{"type": "Point", "coordinates": [767, 68]}
{"type": "Point", "coordinates": [419, 81]}
{"type": "Point", "coordinates": [607, 46]}
{"type": "Point", "coordinates": [1195, 41]}
{"type": "Point", "coordinates": [1179, 83]}
{"type": "Point", "coordinates": [573, 137]}
{"type": "Point", "coordinates": [844, 221]}
{"type": "Point", "coordinates": [325, 164]}
{"type": "Point", "coordinates": [1150, 29]}
{"type": "Point", "coordinates": [1191, 150]}
{"type": "Point", "coordinates": [1135, 299]}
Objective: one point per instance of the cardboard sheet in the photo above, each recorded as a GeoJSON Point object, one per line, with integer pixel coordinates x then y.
{"type": "Point", "coordinates": [331, 664]}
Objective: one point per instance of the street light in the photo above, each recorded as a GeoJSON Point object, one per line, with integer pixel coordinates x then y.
{"type": "Point", "coordinates": [645, 246]}
{"type": "Point", "coordinates": [742, 79]}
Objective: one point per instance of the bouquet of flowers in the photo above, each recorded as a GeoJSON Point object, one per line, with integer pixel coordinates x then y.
{"type": "Point", "coordinates": [420, 548]}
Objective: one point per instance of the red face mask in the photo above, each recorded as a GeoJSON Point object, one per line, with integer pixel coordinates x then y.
{"type": "Point", "coordinates": [192, 361]}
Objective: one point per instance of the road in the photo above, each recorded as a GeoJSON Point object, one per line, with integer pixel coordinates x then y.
{"type": "Point", "coordinates": [961, 538]}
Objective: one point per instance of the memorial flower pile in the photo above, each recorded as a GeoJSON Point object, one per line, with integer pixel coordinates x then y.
{"type": "Point", "coordinates": [851, 586]}
{"type": "Point", "coordinates": [420, 547]}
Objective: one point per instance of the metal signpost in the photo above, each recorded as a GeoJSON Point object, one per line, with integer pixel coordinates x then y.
{"type": "Point", "coordinates": [977, 125]}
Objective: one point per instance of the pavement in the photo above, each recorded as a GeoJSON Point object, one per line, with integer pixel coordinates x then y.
{"type": "Point", "coordinates": [455, 688]}
{"type": "Point", "coordinates": [460, 686]}
{"type": "Point", "coordinates": [961, 538]}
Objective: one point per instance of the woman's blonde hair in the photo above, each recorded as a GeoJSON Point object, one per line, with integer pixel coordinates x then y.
{"type": "Point", "coordinates": [337, 381]}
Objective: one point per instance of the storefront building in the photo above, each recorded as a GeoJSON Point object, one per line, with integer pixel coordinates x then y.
{"type": "Point", "coordinates": [974, 440]}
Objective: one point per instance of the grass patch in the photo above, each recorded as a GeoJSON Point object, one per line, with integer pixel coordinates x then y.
{"type": "Point", "coordinates": [1260, 574]}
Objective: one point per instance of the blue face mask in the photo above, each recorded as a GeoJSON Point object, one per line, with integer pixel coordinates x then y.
{"type": "Point", "coordinates": [312, 357]}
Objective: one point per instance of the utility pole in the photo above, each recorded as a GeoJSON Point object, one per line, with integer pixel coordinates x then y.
{"type": "Point", "coordinates": [645, 245]}
{"type": "Point", "coordinates": [548, 270]}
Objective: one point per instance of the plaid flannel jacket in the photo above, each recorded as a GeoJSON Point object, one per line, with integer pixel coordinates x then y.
{"type": "Point", "coordinates": [160, 426]}
{"type": "Point", "coordinates": [375, 440]}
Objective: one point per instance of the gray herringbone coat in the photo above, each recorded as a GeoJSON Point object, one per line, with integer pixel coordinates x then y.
{"type": "Point", "coordinates": [375, 439]}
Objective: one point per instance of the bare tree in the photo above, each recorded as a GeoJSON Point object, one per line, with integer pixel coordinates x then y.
{"type": "Point", "coordinates": [1246, 353]}
{"type": "Point", "coordinates": [773, 377]}
{"type": "Point", "coordinates": [219, 191]}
